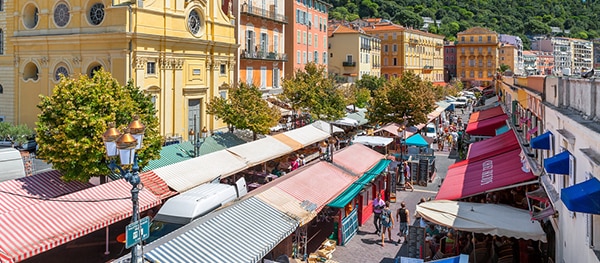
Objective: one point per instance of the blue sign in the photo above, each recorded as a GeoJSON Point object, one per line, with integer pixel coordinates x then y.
{"type": "Point", "coordinates": [137, 231]}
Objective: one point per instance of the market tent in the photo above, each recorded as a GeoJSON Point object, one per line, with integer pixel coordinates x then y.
{"type": "Point", "coordinates": [288, 141]}
{"type": "Point", "coordinates": [317, 183]}
{"type": "Point", "coordinates": [190, 173]}
{"type": "Point", "coordinates": [417, 140]}
{"type": "Point", "coordinates": [156, 185]}
{"type": "Point", "coordinates": [392, 128]}
{"type": "Point", "coordinates": [357, 158]}
{"type": "Point", "coordinates": [326, 127]}
{"type": "Point", "coordinates": [260, 151]}
{"type": "Point", "coordinates": [489, 219]}
{"type": "Point", "coordinates": [45, 225]}
{"type": "Point", "coordinates": [493, 146]}
{"type": "Point", "coordinates": [583, 197]}
{"type": "Point", "coordinates": [486, 127]}
{"type": "Point", "coordinates": [373, 140]}
{"type": "Point", "coordinates": [472, 177]}
{"type": "Point", "coordinates": [346, 122]}
{"type": "Point", "coordinates": [244, 232]}
{"type": "Point", "coordinates": [486, 114]}
{"type": "Point", "coordinates": [355, 188]}
{"type": "Point", "coordinates": [306, 135]}
{"type": "Point", "coordinates": [284, 202]}
{"type": "Point", "coordinates": [359, 116]}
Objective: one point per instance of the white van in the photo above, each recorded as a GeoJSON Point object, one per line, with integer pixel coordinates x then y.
{"type": "Point", "coordinates": [192, 204]}
{"type": "Point", "coordinates": [431, 131]}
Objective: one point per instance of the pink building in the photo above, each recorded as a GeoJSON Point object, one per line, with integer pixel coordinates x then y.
{"type": "Point", "coordinates": [305, 34]}
{"type": "Point", "coordinates": [449, 61]}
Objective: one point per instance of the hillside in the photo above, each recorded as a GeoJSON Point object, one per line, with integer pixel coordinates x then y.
{"type": "Point", "coordinates": [581, 18]}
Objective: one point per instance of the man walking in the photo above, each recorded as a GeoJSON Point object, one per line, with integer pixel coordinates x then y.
{"type": "Point", "coordinates": [404, 219]}
{"type": "Point", "coordinates": [378, 205]}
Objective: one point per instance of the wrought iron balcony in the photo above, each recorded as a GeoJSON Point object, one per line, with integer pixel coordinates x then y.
{"type": "Point", "coordinates": [263, 55]}
{"type": "Point", "coordinates": [259, 12]}
{"type": "Point", "coordinates": [349, 64]}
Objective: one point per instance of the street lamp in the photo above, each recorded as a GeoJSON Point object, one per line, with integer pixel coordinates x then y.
{"type": "Point", "coordinates": [197, 144]}
{"type": "Point", "coordinates": [402, 134]}
{"type": "Point", "coordinates": [125, 146]}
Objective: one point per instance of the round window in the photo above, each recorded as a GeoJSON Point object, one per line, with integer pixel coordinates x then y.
{"type": "Point", "coordinates": [195, 22]}
{"type": "Point", "coordinates": [61, 14]}
{"type": "Point", "coordinates": [61, 71]}
{"type": "Point", "coordinates": [97, 14]}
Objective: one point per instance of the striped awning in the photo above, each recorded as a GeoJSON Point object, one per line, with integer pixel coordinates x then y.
{"type": "Point", "coordinates": [244, 232]}
{"type": "Point", "coordinates": [286, 203]}
{"type": "Point", "coordinates": [156, 185]}
{"type": "Point", "coordinates": [357, 158]}
{"type": "Point", "coordinates": [27, 191]}
{"type": "Point", "coordinates": [40, 227]}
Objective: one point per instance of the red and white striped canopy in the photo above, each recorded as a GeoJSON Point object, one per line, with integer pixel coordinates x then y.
{"type": "Point", "coordinates": [36, 228]}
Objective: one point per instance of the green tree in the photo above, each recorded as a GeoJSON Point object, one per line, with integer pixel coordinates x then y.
{"type": "Point", "coordinates": [358, 97]}
{"type": "Point", "coordinates": [311, 90]}
{"type": "Point", "coordinates": [73, 119]}
{"type": "Point", "coordinates": [503, 68]}
{"type": "Point", "coordinates": [245, 109]}
{"type": "Point", "coordinates": [17, 134]}
{"type": "Point", "coordinates": [372, 83]}
{"type": "Point", "coordinates": [368, 9]}
{"type": "Point", "coordinates": [406, 98]}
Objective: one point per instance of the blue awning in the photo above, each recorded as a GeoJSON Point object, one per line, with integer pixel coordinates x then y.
{"type": "Point", "coordinates": [558, 164]}
{"type": "Point", "coordinates": [542, 141]}
{"type": "Point", "coordinates": [502, 130]}
{"type": "Point", "coordinates": [416, 140]}
{"type": "Point", "coordinates": [583, 197]}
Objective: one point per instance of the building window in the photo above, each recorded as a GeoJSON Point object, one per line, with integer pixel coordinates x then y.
{"type": "Point", "coordinates": [223, 94]}
{"type": "Point", "coordinates": [471, 39]}
{"type": "Point", "coordinates": [298, 37]}
{"type": "Point", "coordinates": [316, 56]}
{"type": "Point", "coordinates": [385, 61]}
{"type": "Point", "coordinates": [304, 60]}
{"type": "Point", "coordinates": [489, 38]}
{"type": "Point", "coordinates": [61, 14]}
{"type": "Point", "coordinates": [395, 62]}
{"type": "Point", "coordinates": [249, 76]}
{"type": "Point", "coordinates": [276, 78]}
{"type": "Point", "coordinates": [316, 41]}
{"type": "Point", "coordinates": [471, 74]}
{"type": "Point", "coordinates": [309, 39]}
{"type": "Point", "coordinates": [223, 69]}
{"type": "Point", "coordinates": [97, 14]}
{"type": "Point", "coordinates": [325, 57]}
{"type": "Point", "coordinates": [61, 71]}
{"type": "Point", "coordinates": [195, 22]}
{"type": "Point", "coordinates": [30, 16]}
{"type": "Point", "coordinates": [349, 58]}
{"type": "Point", "coordinates": [298, 57]}
{"type": "Point", "coordinates": [151, 68]}
{"type": "Point", "coordinates": [385, 48]}
{"type": "Point", "coordinates": [1, 42]}
{"type": "Point", "coordinates": [480, 39]}
{"type": "Point", "coordinates": [395, 48]}
{"type": "Point", "coordinates": [196, 72]}
{"type": "Point", "coordinates": [93, 70]}
{"type": "Point", "coordinates": [304, 38]}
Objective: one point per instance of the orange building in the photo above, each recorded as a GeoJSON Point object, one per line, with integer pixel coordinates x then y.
{"type": "Point", "coordinates": [306, 34]}
{"type": "Point", "coordinates": [508, 56]}
{"type": "Point", "coordinates": [477, 56]}
{"type": "Point", "coordinates": [261, 36]}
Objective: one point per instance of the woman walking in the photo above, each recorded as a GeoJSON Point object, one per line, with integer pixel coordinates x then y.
{"type": "Point", "coordinates": [387, 222]}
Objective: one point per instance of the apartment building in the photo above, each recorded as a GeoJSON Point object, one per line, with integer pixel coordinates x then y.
{"type": "Point", "coordinates": [477, 56]}
{"type": "Point", "coordinates": [518, 43]}
{"type": "Point", "coordinates": [449, 61]}
{"type": "Point", "coordinates": [561, 49]}
{"type": "Point", "coordinates": [596, 53]}
{"type": "Point", "coordinates": [306, 34]}
{"type": "Point", "coordinates": [530, 62]}
{"type": "Point", "coordinates": [180, 54]}
{"type": "Point", "coordinates": [261, 34]}
{"type": "Point", "coordinates": [508, 55]}
{"type": "Point", "coordinates": [582, 59]}
{"type": "Point", "coordinates": [353, 53]}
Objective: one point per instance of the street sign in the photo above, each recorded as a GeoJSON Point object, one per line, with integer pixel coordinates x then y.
{"type": "Point", "coordinates": [137, 231]}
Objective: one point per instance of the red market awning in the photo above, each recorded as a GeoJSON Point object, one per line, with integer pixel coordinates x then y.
{"type": "Point", "coordinates": [493, 146]}
{"type": "Point", "coordinates": [486, 114]}
{"type": "Point", "coordinates": [357, 158]}
{"type": "Point", "coordinates": [40, 227]}
{"type": "Point", "coordinates": [487, 127]}
{"type": "Point", "coordinates": [156, 185]}
{"type": "Point", "coordinates": [468, 178]}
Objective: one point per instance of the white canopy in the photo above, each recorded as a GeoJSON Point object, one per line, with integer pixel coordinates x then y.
{"type": "Point", "coordinates": [373, 140]}
{"type": "Point", "coordinates": [260, 151]}
{"type": "Point", "coordinates": [347, 122]}
{"type": "Point", "coordinates": [185, 175]}
{"type": "Point", "coordinates": [324, 126]}
{"type": "Point", "coordinates": [307, 135]}
{"type": "Point", "coordinates": [491, 219]}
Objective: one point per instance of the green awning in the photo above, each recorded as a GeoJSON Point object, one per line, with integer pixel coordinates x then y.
{"type": "Point", "coordinates": [354, 189]}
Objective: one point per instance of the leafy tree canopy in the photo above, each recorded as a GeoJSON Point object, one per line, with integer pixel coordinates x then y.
{"type": "Point", "coordinates": [244, 108]}
{"type": "Point", "coordinates": [73, 119]}
{"type": "Point", "coordinates": [16, 133]}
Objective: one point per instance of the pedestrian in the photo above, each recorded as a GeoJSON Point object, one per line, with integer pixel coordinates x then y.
{"type": "Point", "coordinates": [378, 205]}
{"type": "Point", "coordinates": [407, 181]}
{"type": "Point", "coordinates": [302, 160]}
{"type": "Point", "coordinates": [404, 219]}
{"type": "Point", "coordinates": [387, 223]}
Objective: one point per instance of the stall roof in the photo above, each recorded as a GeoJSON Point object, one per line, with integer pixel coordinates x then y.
{"type": "Point", "coordinates": [357, 158]}
{"type": "Point", "coordinates": [487, 127]}
{"type": "Point", "coordinates": [347, 122]}
{"type": "Point", "coordinates": [417, 140]}
{"type": "Point", "coordinates": [373, 140]}
{"type": "Point", "coordinates": [156, 185]}
{"type": "Point", "coordinates": [307, 135]}
{"type": "Point", "coordinates": [489, 219]}
{"type": "Point", "coordinates": [468, 177]}
{"type": "Point", "coordinates": [392, 128]}
{"type": "Point", "coordinates": [42, 226]}
{"type": "Point", "coordinates": [185, 175]}
{"type": "Point", "coordinates": [324, 126]}
{"type": "Point", "coordinates": [359, 117]}
{"type": "Point", "coordinates": [284, 202]}
{"type": "Point", "coordinates": [493, 146]}
{"type": "Point", "coordinates": [354, 189]}
{"type": "Point", "coordinates": [318, 183]}
{"type": "Point", "coordinates": [244, 232]}
{"type": "Point", "coordinates": [486, 114]}
{"type": "Point", "coordinates": [288, 141]}
{"type": "Point", "coordinates": [260, 151]}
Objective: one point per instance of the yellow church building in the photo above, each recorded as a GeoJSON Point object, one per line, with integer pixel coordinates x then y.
{"type": "Point", "coordinates": [181, 52]}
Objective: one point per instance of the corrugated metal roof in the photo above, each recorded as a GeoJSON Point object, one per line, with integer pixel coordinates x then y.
{"type": "Point", "coordinates": [286, 203]}
{"type": "Point", "coordinates": [262, 150]}
{"type": "Point", "coordinates": [187, 174]}
{"type": "Point", "coordinates": [357, 158]}
{"type": "Point", "coordinates": [242, 233]}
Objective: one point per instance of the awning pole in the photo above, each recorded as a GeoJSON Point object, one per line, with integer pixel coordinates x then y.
{"type": "Point", "coordinates": [107, 234]}
{"type": "Point", "coordinates": [474, 253]}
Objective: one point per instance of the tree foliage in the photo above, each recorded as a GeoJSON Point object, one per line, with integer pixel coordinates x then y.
{"type": "Point", "coordinates": [73, 119]}
{"type": "Point", "coordinates": [313, 91]}
{"type": "Point", "coordinates": [244, 108]}
{"type": "Point", "coordinates": [512, 17]}
{"type": "Point", "coordinates": [406, 98]}
{"type": "Point", "coordinates": [17, 134]}
{"type": "Point", "coordinates": [372, 83]}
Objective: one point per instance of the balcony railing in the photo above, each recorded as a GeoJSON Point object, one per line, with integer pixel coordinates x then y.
{"type": "Point", "coordinates": [263, 55]}
{"type": "Point", "coordinates": [259, 12]}
{"type": "Point", "coordinates": [349, 64]}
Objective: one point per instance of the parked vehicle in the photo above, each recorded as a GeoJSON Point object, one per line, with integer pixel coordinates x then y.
{"type": "Point", "coordinates": [30, 145]}
{"type": "Point", "coordinates": [431, 131]}
{"type": "Point", "coordinates": [461, 102]}
{"type": "Point", "coordinates": [193, 204]}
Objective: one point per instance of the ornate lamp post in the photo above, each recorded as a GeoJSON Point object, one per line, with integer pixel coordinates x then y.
{"type": "Point", "coordinates": [124, 146]}
{"type": "Point", "coordinates": [195, 138]}
{"type": "Point", "coordinates": [402, 135]}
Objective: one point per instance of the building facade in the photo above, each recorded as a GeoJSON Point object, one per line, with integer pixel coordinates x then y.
{"type": "Point", "coordinates": [449, 61]}
{"type": "Point", "coordinates": [405, 49]}
{"type": "Point", "coordinates": [261, 36]}
{"type": "Point", "coordinates": [353, 53]}
{"type": "Point", "coordinates": [477, 56]}
{"type": "Point", "coordinates": [306, 34]}
{"type": "Point", "coordinates": [530, 63]}
{"type": "Point", "coordinates": [582, 60]}
{"type": "Point", "coordinates": [508, 55]}
{"type": "Point", "coordinates": [518, 43]}
{"type": "Point", "coordinates": [182, 54]}
{"type": "Point", "coordinates": [596, 53]}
